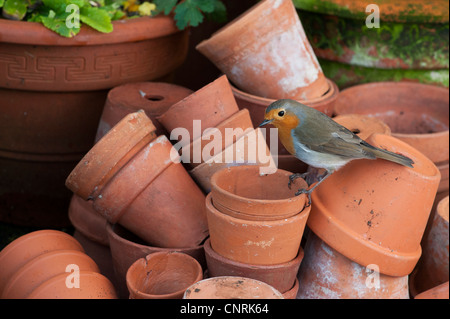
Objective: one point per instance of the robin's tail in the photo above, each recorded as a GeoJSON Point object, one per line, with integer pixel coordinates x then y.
{"type": "Point", "coordinates": [390, 156]}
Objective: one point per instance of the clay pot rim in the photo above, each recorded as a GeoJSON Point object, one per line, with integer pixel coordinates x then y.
{"type": "Point", "coordinates": [389, 84]}
{"type": "Point", "coordinates": [131, 285]}
{"type": "Point", "coordinates": [330, 94]}
{"type": "Point", "coordinates": [112, 233]}
{"type": "Point", "coordinates": [223, 192]}
{"type": "Point", "coordinates": [125, 31]}
{"type": "Point", "coordinates": [210, 251]}
{"type": "Point", "coordinates": [295, 288]}
{"type": "Point", "coordinates": [94, 179]}
{"type": "Point", "coordinates": [245, 279]}
{"type": "Point", "coordinates": [259, 222]}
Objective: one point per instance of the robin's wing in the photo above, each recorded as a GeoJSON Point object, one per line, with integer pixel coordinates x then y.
{"type": "Point", "coordinates": [332, 139]}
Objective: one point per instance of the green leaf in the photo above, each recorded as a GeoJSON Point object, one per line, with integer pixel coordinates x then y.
{"type": "Point", "coordinates": [1, 3]}
{"type": "Point", "coordinates": [165, 6]}
{"type": "Point", "coordinates": [203, 5]}
{"type": "Point", "coordinates": [219, 13]}
{"type": "Point", "coordinates": [187, 14]}
{"type": "Point", "coordinates": [59, 25]}
{"type": "Point", "coordinates": [96, 18]}
{"type": "Point", "coordinates": [15, 9]}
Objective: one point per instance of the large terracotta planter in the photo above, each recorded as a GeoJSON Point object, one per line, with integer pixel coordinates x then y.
{"type": "Point", "coordinates": [127, 172]}
{"type": "Point", "coordinates": [260, 242]}
{"type": "Point", "coordinates": [265, 52]}
{"type": "Point", "coordinates": [432, 269]}
{"type": "Point", "coordinates": [257, 106]}
{"type": "Point", "coordinates": [126, 248]}
{"type": "Point", "coordinates": [280, 276]}
{"type": "Point", "coordinates": [95, 286]}
{"type": "Point", "coordinates": [30, 246]}
{"type": "Point", "coordinates": [363, 211]}
{"type": "Point", "coordinates": [229, 287]}
{"type": "Point", "coordinates": [249, 149]}
{"type": "Point", "coordinates": [53, 90]}
{"type": "Point", "coordinates": [438, 292]}
{"type": "Point", "coordinates": [152, 97]}
{"type": "Point", "coordinates": [163, 276]}
{"type": "Point", "coordinates": [212, 104]}
{"type": "Point", "coordinates": [242, 192]}
{"type": "Point", "coordinates": [327, 274]}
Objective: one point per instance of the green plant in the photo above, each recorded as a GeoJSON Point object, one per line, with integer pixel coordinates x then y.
{"type": "Point", "coordinates": [66, 16]}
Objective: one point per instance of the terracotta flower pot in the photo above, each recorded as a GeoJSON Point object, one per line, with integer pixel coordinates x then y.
{"type": "Point", "coordinates": [265, 52]}
{"type": "Point", "coordinates": [418, 114]}
{"type": "Point", "coordinates": [90, 232]}
{"type": "Point", "coordinates": [363, 211]}
{"type": "Point", "coordinates": [107, 174]}
{"type": "Point", "coordinates": [260, 242]}
{"type": "Point", "coordinates": [92, 286]}
{"type": "Point", "coordinates": [439, 292]}
{"type": "Point", "coordinates": [363, 125]}
{"type": "Point", "coordinates": [258, 104]}
{"type": "Point", "coordinates": [432, 269]}
{"type": "Point", "coordinates": [42, 268]}
{"type": "Point", "coordinates": [212, 104]}
{"type": "Point", "coordinates": [280, 276]}
{"type": "Point", "coordinates": [126, 248]}
{"type": "Point", "coordinates": [53, 90]}
{"type": "Point", "coordinates": [249, 149]}
{"type": "Point", "coordinates": [229, 287]}
{"type": "Point", "coordinates": [30, 246]}
{"type": "Point", "coordinates": [152, 97]}
{"type": "Point", "coordinates": [242, 192]}
{"type": "Point", "coordinates": [230, 131]}
{"type": "Point", "coordinates": [327, 274]}
{"type": "Point", "coordinates": [292, 293]}
{"type": "Point", "coordinates": [163, 275]}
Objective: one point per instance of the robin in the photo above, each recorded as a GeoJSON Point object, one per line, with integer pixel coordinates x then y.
{"type": "Point", "coordinates": [317, 140]}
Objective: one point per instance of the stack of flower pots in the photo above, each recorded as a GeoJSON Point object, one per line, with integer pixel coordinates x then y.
{"type": "Point", "coordinates": [266, 55]}
{"type": "Point", "coordinates": [256, 224]}
{"type": "Point", "coordinates": [211, 132]}
{"type": "Point", "coordinates": [135, 179]}
{"type": "Point", "coordinates": [49, 264]}
{"type": "Point", "coordinates": [366, 221]}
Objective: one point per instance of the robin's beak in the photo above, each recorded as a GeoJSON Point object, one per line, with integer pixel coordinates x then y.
{"type": "Point", "coordinates": [265, 122]}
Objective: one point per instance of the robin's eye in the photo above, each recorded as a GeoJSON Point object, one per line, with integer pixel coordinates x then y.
{"type": "Point", "coordinates": [281, 113]}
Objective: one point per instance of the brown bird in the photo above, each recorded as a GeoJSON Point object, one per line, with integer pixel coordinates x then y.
{"type": "Point", "coordinates": [317, 140]}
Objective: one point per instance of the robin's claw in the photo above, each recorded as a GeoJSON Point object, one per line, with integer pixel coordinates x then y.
{"type": "Point", "coordinates": [293, 177]}
{"type": "Point", "coordinates": [307, 192]}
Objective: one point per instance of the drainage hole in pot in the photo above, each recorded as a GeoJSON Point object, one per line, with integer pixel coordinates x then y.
{"type": "Point", "coordinates": [154, 98]}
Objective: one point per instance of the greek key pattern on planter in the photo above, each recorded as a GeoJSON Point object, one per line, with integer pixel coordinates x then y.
{"type": "Point", "coordinates": [54, 72]}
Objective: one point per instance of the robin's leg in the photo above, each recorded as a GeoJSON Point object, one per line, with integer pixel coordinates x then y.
{"type": "Point", "coordinates": [309, 191]}
{"type": "Point", "coordinates": [293, 177]}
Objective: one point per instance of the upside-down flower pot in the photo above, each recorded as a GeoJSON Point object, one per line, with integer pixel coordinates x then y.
{"type": "Point", "coordinates": [163, 275]}
{"type": "Point", "coordinates": [231, 287]}
{"type": "Point", "coordinates": [432, 269]}
{"type": "Point", "coordinates": [53, 90]}
{"type": "Point", "coordinates": [258, 104]}
{"type": "Point", "coordinates": [212, 104]}
{"type": "Point", "coordinates": [265, 52]}
{"type": "Point", "coordinates": [365, 213]}
{"type": "Point", "coordinates": [327, 274]}
{"type": "Point", "coordinates": [250, 149]}
{"type": "Point", "coordinates": [152, 97]}
{"type": "Point", "coordinates": [280, 276]}
{"type": "Point", "coordinates": [136, 181]}
{"type": "Point", "coordinates": [243, 192]}
{"type": "Point", "coordinates": [29, 246]}
{"type": "Point", "coordinates": [44, 264]}
{"type": "Point", "coordinates": [438, 292]}
{"type": "Point", "coordinates": [126, 248]}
